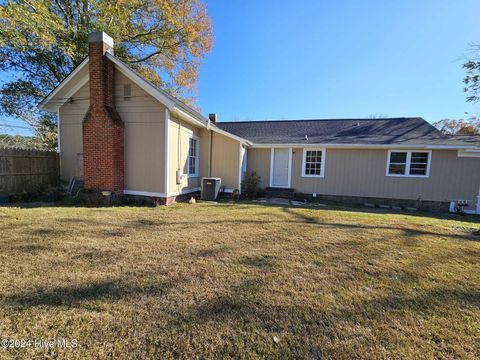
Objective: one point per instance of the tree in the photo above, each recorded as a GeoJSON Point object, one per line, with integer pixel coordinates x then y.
{"type": "Point", "coordinates": [42, 41]}
{"type": "Point", "coordinates": [470, 126]}
{"type": "Point", "coordinates": [472, 80]}
{"type": "Point", "coordinates": [21, 142]}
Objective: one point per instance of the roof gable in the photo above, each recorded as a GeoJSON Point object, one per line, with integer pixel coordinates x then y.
{"type": "Point", "coordinates": [67, 88]}
{"type": "Point", "coordinates": [80, 76]}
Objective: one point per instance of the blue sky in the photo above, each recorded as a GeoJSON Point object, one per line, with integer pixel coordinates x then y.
{"type": "Point", "coordinates": [332, 59]}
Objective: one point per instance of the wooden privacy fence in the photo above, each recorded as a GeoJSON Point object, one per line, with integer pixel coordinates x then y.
{"type": "Point", "coordinates": [27, 170]}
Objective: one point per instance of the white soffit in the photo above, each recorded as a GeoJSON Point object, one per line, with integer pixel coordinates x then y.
{"type": "Point", "coordinates": [50, 104]}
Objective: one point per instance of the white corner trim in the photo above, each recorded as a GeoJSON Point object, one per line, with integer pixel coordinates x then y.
{"type": "Point", "coordinates": [408, 163]}
{"type": "Point", "coordinates": [322, 165]}
{"type": "Point", "coordinates": [272, 157]}
{"type": "Point", "coordinates": [166, 150]}
{"type": "Point", "coordinates": [58, 130]}
{"type": "Point", "coordinates": [42, 105]}
{"type": "Point", "coordinates": [290, 158]}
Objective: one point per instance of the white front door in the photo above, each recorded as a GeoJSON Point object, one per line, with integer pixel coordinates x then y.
{"type": "Point", "coordinates": [280, 172]}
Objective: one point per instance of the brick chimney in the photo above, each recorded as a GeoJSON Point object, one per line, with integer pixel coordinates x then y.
{"type": "Point", "coordinates": [103, 129]}
{"type": "Point", "coordinates": [213, 118]}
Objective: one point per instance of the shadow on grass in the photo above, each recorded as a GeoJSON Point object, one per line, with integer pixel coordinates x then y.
{"type": "Point", "coordinates": [32, 249]}
{"type": "Point", "coordinates": [97, 255]}
{"type": "Point", "coordinates": [144, 222]}
{"type": "Point", "coordinates": [258, 261]}
{"type": "Point", "coordinates": [212, 251]}
{"type": "Point", "coordinates": [245, 305]}
{"type": "Point", "coordinates": [47, 232]}
{"type": "Point", "coordinates": [411, 232]}
{"type": "Point", "coordinates": [240, 301]}
{"type": "Point", "coordinates": [71, 296]}
{"type": "Point", "coordinates": [363, 209]}
{"type": "Point", "coordinates": [114, 233]}
{"type": "Point", "coordinates": [67, 296]}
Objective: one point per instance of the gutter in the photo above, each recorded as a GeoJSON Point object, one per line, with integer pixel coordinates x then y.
{"type": "Point", "coordinates": [369, 146]}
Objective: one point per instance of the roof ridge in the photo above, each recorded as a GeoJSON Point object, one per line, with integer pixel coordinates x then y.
{"type": "Point", "coordinates": [338, 119]}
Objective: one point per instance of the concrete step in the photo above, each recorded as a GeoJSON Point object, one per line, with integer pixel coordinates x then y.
{"type": "Point", "coordinates": [284, 193]}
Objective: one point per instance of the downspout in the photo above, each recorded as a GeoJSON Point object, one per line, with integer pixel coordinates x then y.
{"type": "Point", "coordinates": [210, 148]}
{"type": "Point", "coordinates": [179, 155]}
{"type": "Point", "coordinates": [478, 202]}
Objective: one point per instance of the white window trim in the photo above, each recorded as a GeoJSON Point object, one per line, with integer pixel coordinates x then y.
{"type": "Point", "coordinates": [322, 166]}
{"type": "Point", "coordinates": [197, 168]}
{"type": "Point", "coordinates": [407, 165]}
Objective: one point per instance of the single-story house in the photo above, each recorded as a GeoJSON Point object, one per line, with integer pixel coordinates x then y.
{"type": "Point", "coordinates": [121, 133]}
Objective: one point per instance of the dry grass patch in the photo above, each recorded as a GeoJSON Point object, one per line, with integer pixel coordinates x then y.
{"type": "Point", "coordinates": [222, 280]}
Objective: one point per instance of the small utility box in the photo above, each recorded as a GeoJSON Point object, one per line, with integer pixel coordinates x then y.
{"type": "Point", "coordinates": [210, 188]}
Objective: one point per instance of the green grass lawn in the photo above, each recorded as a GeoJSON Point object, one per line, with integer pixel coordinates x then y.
{"type": "Point", "coordinates": [206, 280]}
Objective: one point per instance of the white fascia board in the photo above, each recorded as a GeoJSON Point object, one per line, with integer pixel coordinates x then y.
{"type": "Point", "coordinates": [182, 114]}
{"type": "Point", "coordinates": [155, 93]}
{"type": "Point", "coordinates": [475, 153]}
{"type": "Point", "coordinates": [144, 84]}
{"type": "Point", "coordinates": [44, 104]}
{"type": "Point", "coordinates": [366, 146]}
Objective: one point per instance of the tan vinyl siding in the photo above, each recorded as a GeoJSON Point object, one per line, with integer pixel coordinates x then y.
{"type": "Point", "coordinates": [144, 119]}
{"type": "Point", "coordinates": [71, 143]}
{"type": "Point", "coordinates": [204, 152]}
{"type": "Point", "coordinates": [362, 173]}
{"type": "Point", "coordinates": [258, 160]}
{"type": "Point", "coordinates": [178, 145]}
{"type": "Point", "coordinates": [226, 160]}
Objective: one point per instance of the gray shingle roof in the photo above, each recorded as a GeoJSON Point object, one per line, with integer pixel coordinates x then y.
{"type": "Point", "coordinates": [386, 131]}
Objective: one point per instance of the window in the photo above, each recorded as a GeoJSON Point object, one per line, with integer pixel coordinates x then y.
{"type": "Point", "coordinates": [408, 163]}
{"type": "Point", "coordinates": [313, 162]}
{"type": "Point", "coordinates": [398, 163]}
{"type": "Point", "coordinates": [127, 92]}
{"type": "Point", "coordinates": [193, 152]}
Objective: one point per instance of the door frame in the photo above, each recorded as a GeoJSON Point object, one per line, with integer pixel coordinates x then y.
{"type": "Point", "coordinates": [272, 157]}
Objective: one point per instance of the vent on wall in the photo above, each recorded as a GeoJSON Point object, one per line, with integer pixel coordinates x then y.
{"type": "Point", "coordinates": [127, 92]}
